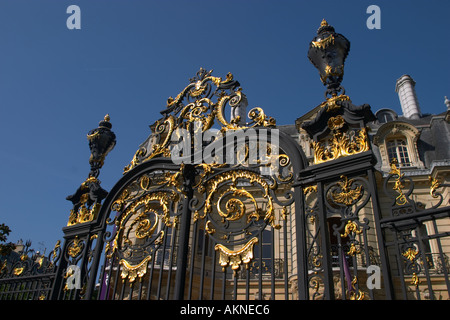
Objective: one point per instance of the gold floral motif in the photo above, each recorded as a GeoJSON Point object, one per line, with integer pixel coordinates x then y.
{"type": "Point", "coordinates": [410, 254]}
{"type": "Point", "coordinates": [54, 253]}
{"type": "Point", "coordinates": [434, 185]}
{"type": "Point", "coordinates": [347, 195]}
{"type": "Point", "coordinates": [163, 127]}
{"type": "Point", "coordinates": [353, 250]}
{"type": "Point", "coordinates": [356, 294]}
{"type": "Point", "coordinates": [145, 227]}
{"type": "Point", "coordinates": [235, 207]}
{"type": "Point", "coordinates": [335, 123]}
{"type": "Point", "coordinates": [119, 204]}
{"type": "Point", "coordinates": [341, 145]}
{"type": "Point", "coordinates": [209, 228]}
{"type": "Point", "coordinates": [309, 189]}
{"type": "Point", "coordinates": [18, 271]}
{"type": "Point", "coordinates": [236, 258]}
{"type": "Point", "coordinates": [317, 260]}
{"type": "Point", "coordinates": [260, 118]}
{"type": "Point", "coordinates": [75, 247]}
{"type": "Point", "coordinates": [351, 227]}
{"type": "Point", "coordinates": [415, 280]}
{"type": "Point", "coordinates": [133, 271]}
{"type": "Point", "coordinates": [395, 170]}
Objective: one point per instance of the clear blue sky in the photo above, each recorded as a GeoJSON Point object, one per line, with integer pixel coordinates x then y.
{"type": "Point", "coordinates": [129, 56]}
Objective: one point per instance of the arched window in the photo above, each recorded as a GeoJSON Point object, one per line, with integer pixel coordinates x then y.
{"type": "Point", "coordinates": [398, 149]}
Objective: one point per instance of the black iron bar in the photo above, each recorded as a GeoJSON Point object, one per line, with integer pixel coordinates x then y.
{"type": "Point", "coordinates": [272, 267]}
{"type": "Point", "coordinates": [183, 249]}
{"type": "Point", "coordinates": [213, 273]}
{"type": "Point", "coordinates": [150, 278]}
{"type": "Point", "coordinates": [161, 265]}
{"type": "Point", "coordinates": [202, 270]}
{"type": "Point", "coordinates": [285, 262]}
{"type": "Point", "coordinates": [192, 263]}
{"type": "Point", "coordinates": [172, 251]}
{"type": "Point", "coordinates": [325, 245]}
{"type": "Point", "coordinates": [425, 263]}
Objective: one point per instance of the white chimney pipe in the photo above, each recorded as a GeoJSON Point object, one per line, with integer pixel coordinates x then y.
{"type": "Point", "coordinates": [408, 98]}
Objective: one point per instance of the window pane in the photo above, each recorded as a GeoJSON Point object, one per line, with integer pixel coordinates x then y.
{"type": "Point", "coordinates": [398, 149]}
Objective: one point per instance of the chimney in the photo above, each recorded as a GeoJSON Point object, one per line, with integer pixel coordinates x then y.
{"type": "Point", "coordinates": [407, 95]}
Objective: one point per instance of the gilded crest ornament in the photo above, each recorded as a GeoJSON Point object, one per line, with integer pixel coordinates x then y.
{"type": "Point", "coordinates": [75, 247]}
{"type": "Point", "coordinates": [235, 258]}
{"type": "Point", "coordinates": [341, 145]}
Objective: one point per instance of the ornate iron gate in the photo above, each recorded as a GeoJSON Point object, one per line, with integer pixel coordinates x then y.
{"type": "Point", "coordinates": [206, 230]}
{"type": "Point", "coordinates": [216, 207]}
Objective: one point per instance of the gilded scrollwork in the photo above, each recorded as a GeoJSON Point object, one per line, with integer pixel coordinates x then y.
{"type": "Point", "coordinates": [87, 201]}
{"type": "Point", "coordinates": [398, 183]}
{"type": "Point", "coordinates": [203, 101]}
{"type": "Point", "coordinates": [355, 293]}
{"type": "Point", "coordinates": [235, 207]}
{"type": "Point", "coordinates": [341, 145]}
{"type": "Point", "coordinates": [332, 103]}
{"type": "Point", "coordinates": [146, 211]}
{"type": "Point", "coordinates": [434, 185]}
{"type": "Point", "coordinates": [141, 217]}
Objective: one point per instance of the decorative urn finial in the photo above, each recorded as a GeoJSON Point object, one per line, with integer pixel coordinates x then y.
{"type": "Point", "coordinates": [327, 52]}
{"type": "Point", "coordinates": [101, 141]}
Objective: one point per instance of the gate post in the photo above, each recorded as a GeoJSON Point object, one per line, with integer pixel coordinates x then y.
{"type": "Point", "coordinates": [83, 225]}
{"type": "Point", "coordinates": [185, 224]}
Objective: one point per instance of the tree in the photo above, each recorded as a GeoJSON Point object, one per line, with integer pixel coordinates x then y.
{"type": "Point", "coordinates": [5, 248]}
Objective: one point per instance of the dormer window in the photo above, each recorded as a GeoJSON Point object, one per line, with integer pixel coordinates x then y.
{"type": "Point", "coordinates": [398, 140]}
{"type": "Point", "coordinates": [386, 115]}
{"type": "Point", "coordinates": [398, 149]}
